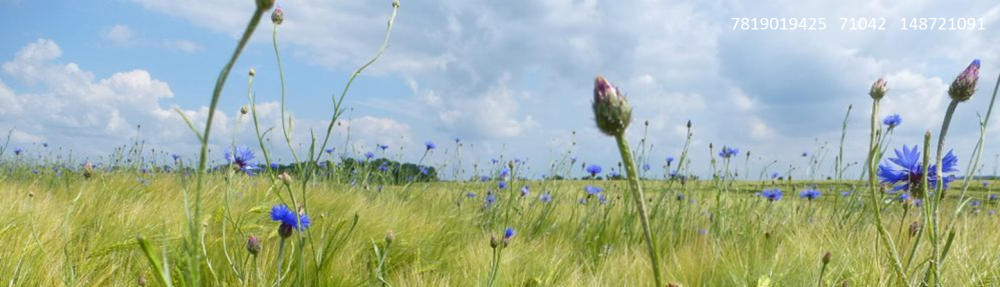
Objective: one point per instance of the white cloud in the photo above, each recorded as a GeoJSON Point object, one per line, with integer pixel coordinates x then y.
{"type": "Point", "coordinates": [183, 46]}
{"type": "Point", "coordinates": [118, 35]}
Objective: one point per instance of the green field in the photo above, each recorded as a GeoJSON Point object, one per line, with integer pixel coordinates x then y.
{"type": "Point", "coordinates": [67, 230]}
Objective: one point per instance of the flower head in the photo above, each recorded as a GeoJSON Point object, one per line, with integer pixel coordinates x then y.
{"type": "Point", "coordinates": [289, 220]}
{"type": "Point", "coordinates": [593, 169]}
{"type": "Point", "coordinates": [18, 151]}
{"type": "Point", "coordinates": [965, 84]}
{"type": "Point", "coordinates": [470, 194]}
{"type": "Point", "coordinates": [383, 147]}
{"type": "Point", "coordinates": [242, 158]}
{"type": "Point", "coordinates": [810, 194]}
{"type": "Point", "coordinates": [772, 195]}
{"type": "Point", "coordinates": [430, 145]}
{"type": "Point", "coordinates": [329, 150]}
{"type": "Point", "coordinates": [670, 160]}
{"type": "Point", "coordinates": [545, 197]}
{"type": "Point", "coordinates": [592, 189]}
{"type": "Point", "coordinates": [501, 184]}
{"type": "Point", "coordinates": [892, 120]}
{"type": "Point", "coordinates": [490, 199]}
{"type": "Point", "coordinates": [910, 171]}
{"type": "Point", "coordinates": [525, 190]}
{"type": "Point", "coordinates": [253, 245]}
{"type": "Point", "coordinates": [369, 155]}
{"type": "Point", "coordinates": [611, 111]}
{"type": "Point", "coordinates": [277, 16]}
{"type": "Point", "coordinates": [728, 152]}
{"type": "Point", "coordinates": [878, 89]}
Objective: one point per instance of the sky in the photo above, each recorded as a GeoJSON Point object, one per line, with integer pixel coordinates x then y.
{"type": "Point", "coordinates": [510, 79]}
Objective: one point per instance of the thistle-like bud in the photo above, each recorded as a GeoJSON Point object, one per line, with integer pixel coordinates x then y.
{"type": "Point", "coordinates": [253, 245]}
{"type": "Point", "coordinates": [965, 84]}
{"type": "Point", "coordinates": [827, 257]}
{"type": "Point", "coordinates": [141, 280]}
{"type": "Point", "coordinates": [88, 170]}
{"type": "Point", "coordinates": [914, 228]}
{"type": "Point", "coordinates": [611, 111]}
{"type": "Point", "coordinates": [285, 230]}
{"type": "Point", "coordinates": [389, 237]}
{"type": "Point", "coordinates": [243, 110]}
{"type": "Point", "coordinates": [878, 89]}
{"type": "Point", "coordinates": [285, 177]}
{"type": "Point", "coordinates": [493, 242]}
{"type": "Point", "coordinates": [277, 16]}
{"type": "Point", "coordinates": [252, 72]}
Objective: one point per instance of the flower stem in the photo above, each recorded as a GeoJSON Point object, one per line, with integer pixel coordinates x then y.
{"type": "Point", "coordinates": [882, 232]}
{"type": "Point", "coordinates": [640, 203]}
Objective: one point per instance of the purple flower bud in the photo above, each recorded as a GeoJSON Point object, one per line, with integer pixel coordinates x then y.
{"type": "Point", "coordinates": [878, 89]}
{"type": "Point", "coordinates": [611, 111]}
{"type": "Point", "coordinates": [277, 16]}
{"type": "Point", "coordinates": [253, 245]}
{"type": "Point", "coordinates": [965, 84]}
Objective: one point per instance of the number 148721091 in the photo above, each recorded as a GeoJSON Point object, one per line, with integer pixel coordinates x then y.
{"type": "Point", "coordinates": [858, 24]}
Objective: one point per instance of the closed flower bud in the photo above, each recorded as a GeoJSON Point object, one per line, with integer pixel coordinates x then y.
{"type": "Point", "coordinates": [914, 228]}
{"type": "Point", "coordinates": [965, 84]}
{"type": "Point", "coordinates": [611, 111]}
{"type": "Point", "coordinates": [141, 280]}
{"type": "Point", "coordinates": [252, 72]}
{"type": "Point", "coordinates": [493, 242]}
{"type": "Point", "coordinates": [389, 237]}
{"type": "Point", "coordinates": [88, 170]}
{"type": "Point", "coordinates": [827, 257]}
{"type": "Point", "coordinates": [253, 245]}
{"type": "Point", "coordinates": [277, 16]}
{"type": "Point", "coordinates": [243, 110]}
{"type": "Point", "coordinates": [285, 177]}
{"type": "Point", "coordinates": [878, 89]}
{"type": "Point", "coordinates": [285, 230]}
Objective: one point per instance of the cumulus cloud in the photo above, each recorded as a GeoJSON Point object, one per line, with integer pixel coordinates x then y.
{"type": "Point", "coordinates": [70, 106]}
{"type": "Point", "coordinates": [118, 34]}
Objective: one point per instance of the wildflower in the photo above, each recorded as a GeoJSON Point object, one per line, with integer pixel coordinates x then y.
{"type": "Point", "coordinates": [430, 145]}
{"type": "Point", "coordinates": [728, 152]}
{"type": "Point", "coordinates": [176, 157]}
{"type": "Point", "coordinates": [992, 197]}
{"type": "Point", "coordinates": [645, 167]}
{"type": "Point", "coordinates": [501, 184]}
{"type": "Point", "coordinates": [775, 175]}
{"type": "Point", "coordinates": [892, 120]}
{"type": "Point", "coordinates": [383, 147]}
{"type": "Point", "coordinates": [911, 170]}
{"type": "Point", "coordinates": [878, 89]}
{"type": "Point", "coordinates": [670, 159]}
{"type": "Point", "coordinates": [611, 111]}
{"type": "Point", "coordinates": [591, 190]}
{"type": "Point", "coordinates": [603, 199]}
{"type": "Point", "coordinates": [918, 202]}
{"type": "Point", "coordinates": [252, 72]}
{"type": "Point", "coordinates": [965, 84]}
{"type": "Point", "coordinates": [974, 203]}
{"type": "Point", "coordinates": [18, 151]}
{"type": "Point", "coordinates": [285, 177]}
{"type": "Point", "coordinates": [826, 257]}
{"type": "Point", "coordinates": [274, 165]}
{"type": "Point", "coordinates": [612, 174]}
{"type": "Point", "coordinates": [545, 197]}
{"type": "Point", "coordinates": [242, 159]}
{"type": "Point", "coordinates": [805, 154]}
{"type": "Point", "coordinates": [572, 159]}
{"type": "Point", "coordinates": [986, 183]}
{"type": "Point", "coordinates": [423, 170]}
{"type": "Point", "coordinates": [470, 194]}
{"type": "Point", "coordinates": [680, 197]}
{"type": "Point", "coordinates": [45, 145]}
{"type": "Point", "coordinates": [493, 242]}
{"type": "Point", "coordinates": [914, 228]}
{"type": "Point", "coordinates": [810, 194]}
{"type": "Point", "coordinates": [593, 170]}
{"type": "Point", "coordinates": [582, 201]}
{"type": "Point", "coordinates": [703, 231]}
{"type": "Point", "coordinates": [903, 197]}
{"type": "Point", "coordinates": [507, 234]}
{"type": "Point", "coordinates": [490, 199]}
{"type": "Point", "coordinates": [369, 155]}
{"type": "Point", "coordinates": [484, 178]}
{"type": "Point", "coordinates": [289, 220]}
{"type": "Point", "coordinates": [383, 167]}
{"type": "Point", "coordinates": [504, 173]}
{"type": "Point", "coordinates": [389, 237]}
{"type": "Point", "coordinates": [525, 190]}
{"type": "Point", "coordinates": [845, 193]}
{"type": "Point", "coordinates": [772, 195]}
{"type": "Point", "coordinates": [253, 245]}
{"type": "Point", "coordinates": [329, 150]}
{"type": "Point", "coordinates": [458, 140]}
{"type": "Point", "coordinates": [277, 16]}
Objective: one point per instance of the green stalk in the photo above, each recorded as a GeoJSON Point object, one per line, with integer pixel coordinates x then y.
{"type": "Point", "coordinates": [939, 188]}
{"type": "Point", "coordinates": [882, 232]}
{"type": "Point", "coordinates": [640, 203]}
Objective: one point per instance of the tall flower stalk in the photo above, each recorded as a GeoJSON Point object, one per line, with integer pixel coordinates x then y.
{"type": "Point", "coordinates": [878, 91]}
{"type": "Point", "coordinates": [613, 115]}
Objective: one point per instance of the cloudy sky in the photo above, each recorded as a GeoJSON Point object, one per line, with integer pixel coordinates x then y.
{"type": "Point", "coordinates": [511, 79]}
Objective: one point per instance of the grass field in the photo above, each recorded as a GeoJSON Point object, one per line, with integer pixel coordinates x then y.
{"type": "Point", "coordinates": [67, 230]}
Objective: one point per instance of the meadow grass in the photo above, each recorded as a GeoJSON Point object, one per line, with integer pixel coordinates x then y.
{"type": "Point", "coordinates": [65, 230]}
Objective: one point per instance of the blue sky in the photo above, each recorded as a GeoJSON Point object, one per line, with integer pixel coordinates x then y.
{"type": "Point", "coordinates": [510, 78]}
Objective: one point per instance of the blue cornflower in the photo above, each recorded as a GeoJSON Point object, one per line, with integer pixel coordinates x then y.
{"type": "Point", "coordinates": [703, 231]}
{"type": "Point", "coordinates": [484, 178]}
{"type": "Point", "coordinates": [680, 197]}
{"type": "Point", "coordinates": [992, 197]}
{"type": "Point", "coordinates": [369, 155]}
{"type": "Point", "coordinates": [470, 194]}
{"type": "Point", "coordinates": [383, 147]}
{"type": "Point", "coordinates": [592, 189]}
{"type": "Point", "coordinates": [18, 151]}
{"type": "Point", "coordinates": [176, 157]}
{"type": "Point", "coordinates": [458, 140]}
{"type": "Point", "coordinates": [490, 199]}
{"type": "Point", "coordinates": [892, 120]}
{"type": "Point", "coordinates": [430, 145]}
{"type": "Point", "coordinates": [645, 167]}
{"type": "Point", "coordinates": [525, 190]}
{"type": "Point", "coordinates": [582, 201]}
{"type": "Point", "coordinates": [329, 150]}
{"type": "Point", "coordinates": [501, 184]}
{"type": "Point", "coordinates": [775, 175]}
{"type": "Point", "coordinates": [383, 167]}
{"type": "Point", "coordinates": [805, 154]}
{"type": "Point", "coordinates": [572, 159]}
{"type": "Point", "coordinates": [593, 169]}
{"type": "Point", "coordinates": [545, 197]}
{"type": "Point", "coordinates": [613, 174]}
{"type": "Point", "coordinates": [494, 161]}
{"type": "Point", "coordinates": [904, 196]}
{"type": "Point", "coordinates": [986, 183]}
{"type": "Point", "coordinates": [508, 233]}
{"type": "Point", "coordinates": [810, 194]}
{"type": "Point", "coordinates": [45, 145]}
{"type": "Point", "coordinates": [504, 173]}
{"type": "Point", "coordinates": [423, 170]}
{"type": "Point", "coordinates": [918, 202]}
{"type": "Point", "coordinates": [845, 193]}
{"type": "Point", "coordinates": [274, 165]}
{"type": "Point", "coordinates": [728, 152]}
{"type": "Point", "coordinates": [288, 220]}
{"type": "Point", "coordinates": [603, 199]}
{"type": "Point", "coordinates": [974, 203]}
{"type": "Point", "coordinates": [911, 170]}
{"type": "Point", "coordinates": [670, 159]}
{"type": "Point", "coordinates": [772, 195]}
{"type": "Point", "coordinates": [243, 159]}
